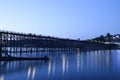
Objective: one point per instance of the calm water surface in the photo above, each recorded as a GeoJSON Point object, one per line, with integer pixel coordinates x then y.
{"type": "Point", "coordinates": [92, 65]}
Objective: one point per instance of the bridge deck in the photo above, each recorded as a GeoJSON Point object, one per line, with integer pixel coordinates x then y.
{"type": "Point", "coordinates": [12, 42]}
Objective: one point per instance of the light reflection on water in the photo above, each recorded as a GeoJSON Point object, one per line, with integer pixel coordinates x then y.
{"type": "Point", "coordinates": [2, 77]}
{"type": "Point", "coordinates": [65, 65]}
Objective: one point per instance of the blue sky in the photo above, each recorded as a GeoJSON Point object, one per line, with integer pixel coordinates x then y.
{"type": "Point", "coordinates": [61, 18]}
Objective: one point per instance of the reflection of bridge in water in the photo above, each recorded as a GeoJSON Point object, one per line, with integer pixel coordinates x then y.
{"type": "Point", "coordinates": [95, 61]}
{"type": "Point", "coordinates": [8, 67]}
{"type": "Point", "coordinates": [11, 67]}
{"type": "Point", "coordinates": [14, 43]}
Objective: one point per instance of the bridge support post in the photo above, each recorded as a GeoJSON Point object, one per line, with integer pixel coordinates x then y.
{"type": "Point", "coordinates": [0, 51]}
{"type": "Point", "coordinates": [0, 45]}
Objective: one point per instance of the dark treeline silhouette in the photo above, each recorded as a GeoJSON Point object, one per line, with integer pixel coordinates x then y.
{"type": "Point", "coordinates": [108, 38]}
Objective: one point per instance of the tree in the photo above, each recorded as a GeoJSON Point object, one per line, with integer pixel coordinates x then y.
{"type": "Point", "coordinates": [102, 38]}
{"type": "Point", "coordinates": [108, 37]}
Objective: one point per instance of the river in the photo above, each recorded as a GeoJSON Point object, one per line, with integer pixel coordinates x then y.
{"type": "Point", "coordinates": [87, 65]}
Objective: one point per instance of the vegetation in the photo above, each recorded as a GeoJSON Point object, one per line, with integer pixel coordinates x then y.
{"type": "Point", "coordinates": [108, 38]}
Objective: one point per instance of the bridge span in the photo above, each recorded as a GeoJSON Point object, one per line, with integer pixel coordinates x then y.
{"type": "Point", "coordinates": [14, 42]}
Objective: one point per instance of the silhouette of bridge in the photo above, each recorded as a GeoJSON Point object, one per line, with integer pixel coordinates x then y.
{"type": "Point", "coordinates": [13, 42]}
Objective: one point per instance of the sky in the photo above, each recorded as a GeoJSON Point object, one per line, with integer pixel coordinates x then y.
{"type": "Point", "coordinates": [84, 19]}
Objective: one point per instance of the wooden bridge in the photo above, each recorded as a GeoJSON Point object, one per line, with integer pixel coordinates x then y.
{"type": "Point", "coordinates": [13, 42]}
